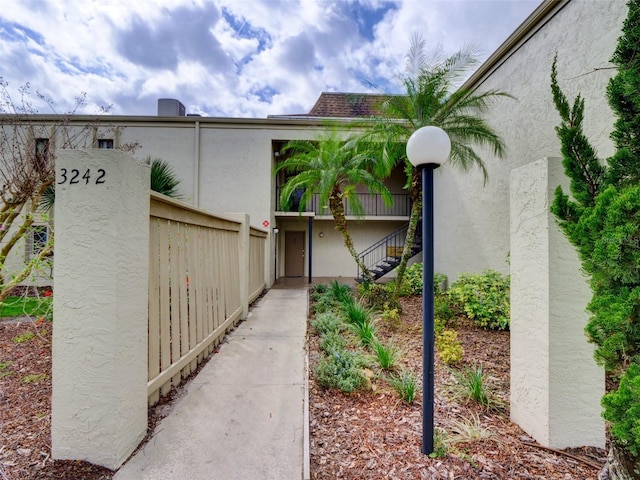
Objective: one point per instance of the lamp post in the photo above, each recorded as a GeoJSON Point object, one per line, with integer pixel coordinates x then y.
{"type": "Point", "coordinates": [427, 148]}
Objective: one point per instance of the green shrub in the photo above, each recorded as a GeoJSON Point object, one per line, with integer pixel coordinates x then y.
{"type": "Point", "coordinates": [342, 370]}
{"type": "Point", "coordinates": [327, 322]}
{"type": "Point", "coordinates": [387, 354]}
{"type": "Point", "coordinates": [405, 384]}
{"type": "Point", "coordinates": [332, 341]}
{"type": "Point", "coordinates": [484, 298]}
{"type": "Point", "coordinates": [391, 316]}
{"type": "Point", "coordinates": [413, 281]}
{"type": "Point", "coordinates": [622, 409]}
{"type": "Point", "coordinates": [377, 295]}
{"type": "Point", "coordinates": [449, 347]}
{"type": "Point", "coordinates": [442, 310]}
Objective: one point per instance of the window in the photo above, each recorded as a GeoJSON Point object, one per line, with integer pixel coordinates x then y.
{"type": "Point", "coordinates": [42, 154]}
{"type": "Point", "coordinates": [36, 240]}
{"type": "Point", "coordinates": [105, 143]}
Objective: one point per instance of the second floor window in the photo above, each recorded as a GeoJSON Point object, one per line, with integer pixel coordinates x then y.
{"type": "Point", "coordinates": [42, 153]}
{"type": "Point", "coordinates": [105, 143]}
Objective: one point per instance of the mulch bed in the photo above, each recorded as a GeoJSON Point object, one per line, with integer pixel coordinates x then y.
{"type": "Point", "coordinates": [375, 435]}
{"type": "Point", "coordinates": [366, 435]}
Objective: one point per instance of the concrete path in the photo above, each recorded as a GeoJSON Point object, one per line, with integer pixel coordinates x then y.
{"type": "Point", "coordinates": [243, 416]}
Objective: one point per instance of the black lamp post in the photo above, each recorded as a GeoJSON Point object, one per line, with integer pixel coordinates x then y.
{"type": "Point", "coordinates": [427, 148]}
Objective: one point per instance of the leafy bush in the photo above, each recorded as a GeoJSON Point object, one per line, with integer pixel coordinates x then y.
{"type": "Point", "coordinates": [332, 341]}
{"type": "Point", "coordinates": [327, 297]}
{"type": "Point", "coordinates": [327, 322]}
{"type": "Point", "coordinates": [442, 311]}
{"type": "Point", "coordinates": [449, 347]}
{"type": "Point", "coordinates": [484, 298]}
{"type": "Point", "coordinates": [342, 370]}
{"type": "Point", "coordinates": [622, 409]}
{"type": "Point", "coordinates": [405, 384]}
{"type": "Point", "coordinates": [413, 281]}
{"type": "Point", "coordinates": [391, 316]}
{"type": "Point", "coordinates": [377, 295]}
{"type": "Point", "coordinates": [387, 355]}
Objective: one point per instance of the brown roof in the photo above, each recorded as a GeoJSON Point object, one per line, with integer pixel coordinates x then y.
{"type": "Point", "coordinates": [347, 105]}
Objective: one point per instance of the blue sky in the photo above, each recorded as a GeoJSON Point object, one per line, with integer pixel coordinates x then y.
{"type": "Point", "coordinates": [235, 58]}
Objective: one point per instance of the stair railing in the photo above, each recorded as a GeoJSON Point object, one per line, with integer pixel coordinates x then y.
{"type": "Point", "coordinates": [384, 255]}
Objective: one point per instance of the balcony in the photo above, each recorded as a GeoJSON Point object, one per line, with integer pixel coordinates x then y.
{"type": "Point", "coordinates": [372, 206]}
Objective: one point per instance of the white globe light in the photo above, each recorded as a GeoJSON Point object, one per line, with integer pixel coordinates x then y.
{"type": "Point", "coordinates": [428, 145]}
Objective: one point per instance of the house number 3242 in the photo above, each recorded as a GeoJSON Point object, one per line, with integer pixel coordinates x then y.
{"type": "Point", "coordinates": [75, 176]}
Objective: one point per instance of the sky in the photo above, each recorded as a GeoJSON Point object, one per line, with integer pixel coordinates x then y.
{"type": "Point", "coordinates": [230, 58]}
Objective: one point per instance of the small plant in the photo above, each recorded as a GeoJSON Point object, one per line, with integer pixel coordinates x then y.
{"type": "Point", "coordinates": [34, 378]}
{"type": "Point", "coordinates": [332, 341]}
{"type": "Point", "coordinates": [440, 442]}
{"type": "Point", "coordinates": [412, 284]}
{"type": "Point", "coordinates": [4, 369]}
{"type": "Point", "coordinates": [483, 298]}
{"type": "Point", "coordinates": [357, 314]}
{"type": "Point", "coordinates": [25, 337]}
{"type": "Point", "coordinates": [387, 355]}
{"type": "Point", "coordinates": [468, 430]}
{"type": "Point", "coordinates": [391, 316]}
{"type": "Point", "coordinates": [449, 347]}
{"type": "Point", "coordinates": [365, 331]}
{"type": "Point", "coordinates": [377, 295]}
{"type": "Point", "coordinates": [470, 382]}
{"type": "Point", "coordinates": [341, 293]}
{"type": "Point", "coordinates": [342, 370]}
{"type": "Point", "coordinates": [442, 310]}
{"type": "Point", "coordinates": [327, 322]}
{"type": "Point", "coordinates": [405, 384]}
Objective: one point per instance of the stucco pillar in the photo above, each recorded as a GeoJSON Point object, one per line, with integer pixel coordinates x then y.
{"type": "Point", "coordinates": [99, 400]}
{"type": "Point", "coordinates": [556, 385]}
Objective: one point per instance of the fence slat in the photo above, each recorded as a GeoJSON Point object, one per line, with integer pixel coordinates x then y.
{"type": "Point", "coordinates": [194, 287]}
{"type": "Point", "coordinates": [154, 307]}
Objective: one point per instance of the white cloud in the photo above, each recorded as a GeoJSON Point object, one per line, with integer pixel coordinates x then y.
{"type": "Point", "coordinates": [230, 57]}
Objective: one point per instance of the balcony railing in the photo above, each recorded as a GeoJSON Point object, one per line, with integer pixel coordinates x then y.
{"type": "Point", "coordinates": [372, 205]}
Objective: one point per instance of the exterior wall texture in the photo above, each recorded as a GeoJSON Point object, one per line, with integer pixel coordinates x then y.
{"type": "Point", "coordinates": [556, 385]}
{"type": "Point", "coordinates": [472, 217]}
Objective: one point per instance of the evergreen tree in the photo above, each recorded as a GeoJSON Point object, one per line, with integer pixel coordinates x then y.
{"type": "Point", "coordinates": [602, 219]}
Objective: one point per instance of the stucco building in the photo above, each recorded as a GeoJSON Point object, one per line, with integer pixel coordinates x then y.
{"type": "Point", "coordinates": [226, 164]}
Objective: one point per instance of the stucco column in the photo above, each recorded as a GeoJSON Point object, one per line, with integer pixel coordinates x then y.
{"type": "Point", "coordinates": [556, 385]}
{"type": "Point", "coordinates": [99, 401]}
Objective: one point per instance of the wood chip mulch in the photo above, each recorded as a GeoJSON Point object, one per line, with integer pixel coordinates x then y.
{"type": "Point", "coordinates": [366, 435]}
{"type": "Point", "coordinates": [375, 435]}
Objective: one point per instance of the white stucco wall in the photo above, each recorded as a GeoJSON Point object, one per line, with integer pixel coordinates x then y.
{"type": "Point", "coordinates": [472, 220]}
{"type": "Point", "coordinates": [99, 397]}
{"type": "Point", "coordinates": [556, 385]}
{"type": "Point", "coordinates": [330, 257]}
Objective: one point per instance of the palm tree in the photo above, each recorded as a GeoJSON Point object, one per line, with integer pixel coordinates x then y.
{"type": "Point", "coordinates": [332, 167]}
{"type": "Point", "coordinates": [163, 178]}
{"type": "Point", "coordinates": [431, 99]}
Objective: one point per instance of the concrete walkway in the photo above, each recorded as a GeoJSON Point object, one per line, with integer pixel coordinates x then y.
{"type": "Point", "coordinates": [243, 416]}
